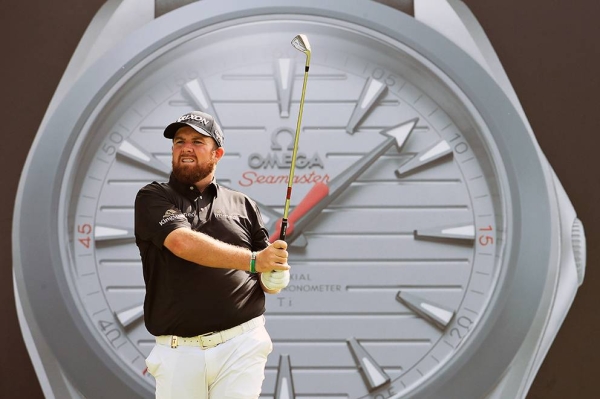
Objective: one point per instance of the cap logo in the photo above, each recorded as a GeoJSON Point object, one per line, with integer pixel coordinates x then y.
{"type": "Point", "coordinates": [194, 117]}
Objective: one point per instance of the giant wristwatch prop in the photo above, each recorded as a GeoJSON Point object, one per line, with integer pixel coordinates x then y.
{"type": "Point", "coordinates": [434, 252]}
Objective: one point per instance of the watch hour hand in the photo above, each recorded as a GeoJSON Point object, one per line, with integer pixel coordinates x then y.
{"type": "Point", "coordinates": [321, 195]}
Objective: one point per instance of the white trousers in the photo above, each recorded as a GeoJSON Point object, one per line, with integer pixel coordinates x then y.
{"type": "Point", "coordinates": [233, 370]}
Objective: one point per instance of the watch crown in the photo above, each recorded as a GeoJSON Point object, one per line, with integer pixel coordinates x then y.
{"type": "Point", "coordinates": [579, 248]}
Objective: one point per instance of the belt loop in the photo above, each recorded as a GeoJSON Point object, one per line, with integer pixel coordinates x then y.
{"type": "Point", "coordinates": [174, 343]}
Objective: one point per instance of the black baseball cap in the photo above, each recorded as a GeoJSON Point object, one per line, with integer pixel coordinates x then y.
{"type": "Point", "coordinates": [201, 122]}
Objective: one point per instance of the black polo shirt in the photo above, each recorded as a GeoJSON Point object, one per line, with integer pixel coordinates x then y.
{"type": "Point", "coordinates": [185, 298]}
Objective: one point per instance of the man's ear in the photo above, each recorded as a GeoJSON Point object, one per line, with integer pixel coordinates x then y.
{"type": "Point", "coordinates": [219, 152]}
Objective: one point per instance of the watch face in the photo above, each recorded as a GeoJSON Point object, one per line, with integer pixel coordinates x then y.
{"type": "Point", "coordinates": [399, 258]}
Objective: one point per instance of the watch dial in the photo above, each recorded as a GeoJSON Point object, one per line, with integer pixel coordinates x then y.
{"type": "Point", "coordinates": [395, 265]}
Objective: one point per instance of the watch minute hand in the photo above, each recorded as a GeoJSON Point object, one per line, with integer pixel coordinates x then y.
{"type": "Point", "coordinates": [321, 195]}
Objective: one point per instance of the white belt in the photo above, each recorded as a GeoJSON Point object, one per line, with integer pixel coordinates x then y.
{"type": "Point", "coordinates": [211, 339]}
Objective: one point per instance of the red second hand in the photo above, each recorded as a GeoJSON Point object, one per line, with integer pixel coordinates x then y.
{"type": "Point", "coordinates": [316, 194]}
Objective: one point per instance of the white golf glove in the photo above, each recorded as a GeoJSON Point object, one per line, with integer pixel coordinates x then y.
{"type": "Point", "coordinates": [276, 279]}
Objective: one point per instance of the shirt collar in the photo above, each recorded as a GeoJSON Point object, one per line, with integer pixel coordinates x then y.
{"type": "Point", "coordinates": [190, 190]}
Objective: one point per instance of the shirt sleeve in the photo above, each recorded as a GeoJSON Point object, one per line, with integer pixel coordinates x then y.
{"type": "Point", "coordinates": [156, 215]}
{"type": "Point", "coordinates": [260, 235]}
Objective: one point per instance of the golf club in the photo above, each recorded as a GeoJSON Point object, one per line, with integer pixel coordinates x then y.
{"type": "Point", "coordinates": [300, 43]}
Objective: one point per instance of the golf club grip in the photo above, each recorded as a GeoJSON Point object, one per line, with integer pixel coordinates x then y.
{"type": "Point", "coordinates": [283, 231]}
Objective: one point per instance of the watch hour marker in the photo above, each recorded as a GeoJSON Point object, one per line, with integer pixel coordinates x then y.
{"type": "Point", "coordinates": [462, 232]}
{"type": "Point", "coordinates": [373, 375]}
{"type": "Point", "coordinates": [433, 312]}
{"type": "Point", "coordinates": [197, 93]}
{"type": "Point", "coordinates": [134, 152]}
{"type": "Point", "coordinates": [284, 79]}
{"type": "Point", "coordinates": [433, 153]}
{"type": "Point", "coordinates": [129, 316]}
{"type": "Point", "coordinates": [284, 384]}
{"type": "Point", "coordinates": [371, 92]}
{"type": "Point", "coordinates": [105, 233]}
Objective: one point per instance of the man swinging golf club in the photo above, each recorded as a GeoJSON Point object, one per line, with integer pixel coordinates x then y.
{"type": "Point", "coordinates": [207, 263]}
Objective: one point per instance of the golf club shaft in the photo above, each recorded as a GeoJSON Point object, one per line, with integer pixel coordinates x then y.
{"type": "Point", "coordinates": [284, 221]}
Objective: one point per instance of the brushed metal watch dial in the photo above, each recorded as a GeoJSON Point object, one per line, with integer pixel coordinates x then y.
{"type": "Point", "coordinates": [398, 247]}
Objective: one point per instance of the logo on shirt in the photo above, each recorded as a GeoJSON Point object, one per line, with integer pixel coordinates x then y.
{"type": "Point", "coordinates": [171, 215]}
{"type": "Point", "coordinates": [169, 212]}
{"type": "Point", "coordinates": [220, 214]}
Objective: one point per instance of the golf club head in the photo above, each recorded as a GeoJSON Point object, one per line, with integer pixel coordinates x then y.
{"type": "Point", "coordinates": [301, 43]}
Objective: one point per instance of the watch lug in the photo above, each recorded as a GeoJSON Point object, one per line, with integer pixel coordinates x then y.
{"type": "Point", "coordinates": [454, 20]}
{"type": "Point", "coordinates": [113, 21]}
{"type": "Point", "coordinates": [52, 379]}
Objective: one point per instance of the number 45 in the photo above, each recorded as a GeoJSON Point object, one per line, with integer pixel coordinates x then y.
{"type": "Point", "coordinates": [85, 230]}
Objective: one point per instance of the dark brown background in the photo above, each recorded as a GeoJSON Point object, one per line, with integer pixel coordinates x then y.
{"type": "Point", "coordinates": [549, 48]}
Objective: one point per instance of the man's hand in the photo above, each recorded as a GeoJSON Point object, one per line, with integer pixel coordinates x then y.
{"type": "Point", "coordinates": [271, 262]}
{"type": "Point", "coordinates": [273, 257]}
{"type": "Point", "coordinates": [275, 280]}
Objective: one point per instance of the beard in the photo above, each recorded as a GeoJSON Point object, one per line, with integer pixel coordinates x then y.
{"type": "Point", "coordinates": [192, 174]}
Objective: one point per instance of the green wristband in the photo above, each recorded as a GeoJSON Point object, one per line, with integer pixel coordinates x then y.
{"type": "Point", "coordinates": [253, 263]}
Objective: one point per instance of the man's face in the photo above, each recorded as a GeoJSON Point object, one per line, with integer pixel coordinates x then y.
{"type": "Point", "coordinates": [195, 156]}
